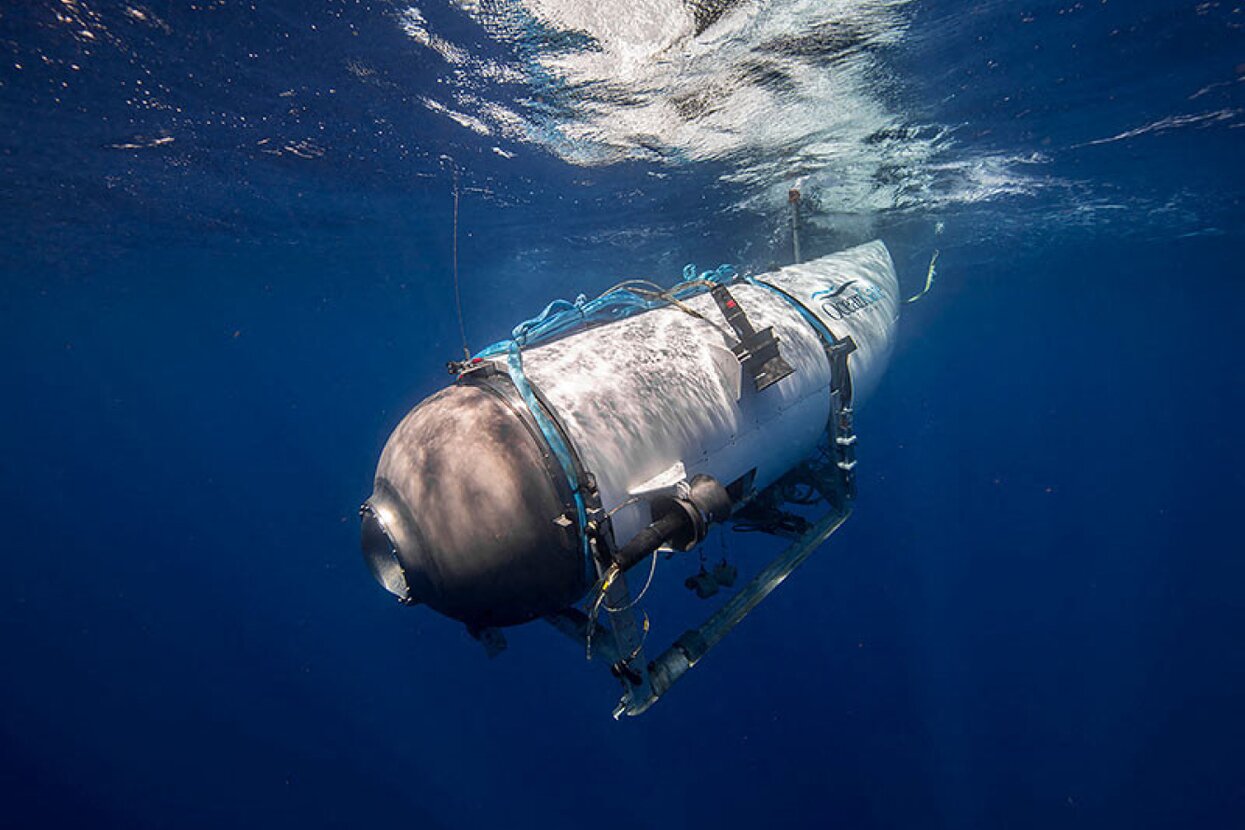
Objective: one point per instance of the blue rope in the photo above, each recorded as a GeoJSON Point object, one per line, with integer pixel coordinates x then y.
{"type": "Point", "coordinates": [561, 317]}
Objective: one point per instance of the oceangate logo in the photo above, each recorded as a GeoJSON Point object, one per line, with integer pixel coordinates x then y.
{"type": "Point", "coordinates": [837, 306]}
{"type": "Point", "coordinates": [835, 292]}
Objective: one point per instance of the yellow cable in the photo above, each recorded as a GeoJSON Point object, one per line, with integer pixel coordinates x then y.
{"type": "Point", "coordinates": [929, 279]}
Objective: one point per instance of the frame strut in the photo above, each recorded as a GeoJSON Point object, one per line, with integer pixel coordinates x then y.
{"type": "Point", "coordinates": [688, 650]}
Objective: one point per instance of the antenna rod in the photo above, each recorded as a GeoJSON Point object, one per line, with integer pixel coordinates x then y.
{"type": "Point", "coordinates": [793, 199]}
{"type": "Point", "coordinates": [458, 297]}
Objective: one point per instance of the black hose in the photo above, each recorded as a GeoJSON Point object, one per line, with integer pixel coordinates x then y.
{"type": "Point", "coordinates": [650, 539]}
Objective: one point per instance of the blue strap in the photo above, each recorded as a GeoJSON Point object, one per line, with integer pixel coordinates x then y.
{"type": "Point", "coordinates": [553, 436]}
{"type": "Point", "coordinates": [812, 319]}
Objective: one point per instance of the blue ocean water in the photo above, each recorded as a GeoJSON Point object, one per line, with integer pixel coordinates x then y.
{"type": "Point", "coordinates": [225, 274]}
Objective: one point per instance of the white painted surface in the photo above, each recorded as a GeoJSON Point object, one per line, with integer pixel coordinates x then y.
{"type": "Point", "coordinates": [642, 394]}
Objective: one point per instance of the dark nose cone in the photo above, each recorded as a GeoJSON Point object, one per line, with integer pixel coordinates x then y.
{"type": "Point", "coordinates": [465, 514]}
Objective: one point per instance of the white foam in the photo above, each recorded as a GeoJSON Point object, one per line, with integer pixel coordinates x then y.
{"type": "Point", "coordinates": [783, 95]}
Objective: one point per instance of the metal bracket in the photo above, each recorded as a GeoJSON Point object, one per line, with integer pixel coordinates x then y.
{"type": "Point", "coordinates": [471, 364]}
{"type": "Point", "coordinates": [842, 429]}
{"type": "Point", "coordinates": [757, 351]}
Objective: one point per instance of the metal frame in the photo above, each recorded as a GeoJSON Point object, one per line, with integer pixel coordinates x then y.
{"type": "Point", "coordinates": [621, 642]}
{"type": "Point", "coordinates": [644, 682]}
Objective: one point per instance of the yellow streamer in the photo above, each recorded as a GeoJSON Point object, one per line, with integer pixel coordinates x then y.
{"type": "Point", "coordinates": [929, 279]}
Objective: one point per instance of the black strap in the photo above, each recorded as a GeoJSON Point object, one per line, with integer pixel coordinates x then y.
{"type": "Point", "coordinates": [756, 350]}
{"type": "Point", "coordinates": [840, 377]}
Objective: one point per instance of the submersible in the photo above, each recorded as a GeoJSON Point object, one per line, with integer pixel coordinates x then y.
{"type": "Point", "coordinates": [608, 430]}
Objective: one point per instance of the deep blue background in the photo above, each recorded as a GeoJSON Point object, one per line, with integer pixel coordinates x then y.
{"type": "Point", "coordinates": [1034, 619]}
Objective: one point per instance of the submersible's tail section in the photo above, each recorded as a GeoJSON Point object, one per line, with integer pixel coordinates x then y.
{"type": "Point", "coordinates": [550, 468]}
